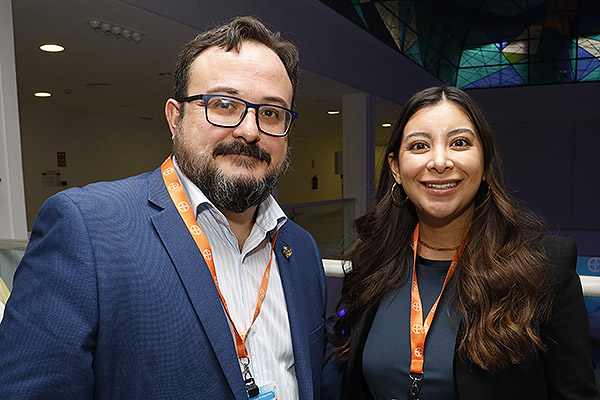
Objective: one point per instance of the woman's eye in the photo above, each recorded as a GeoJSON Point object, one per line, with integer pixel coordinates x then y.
{"type": "Point", "coordinates": [417, 146]}
{"type": "Point", "coordinates": [461, 142]}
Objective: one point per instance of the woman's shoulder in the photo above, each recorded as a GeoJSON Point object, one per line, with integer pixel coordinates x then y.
{"type": "Point", "coordinates": [561, 253]}
{"type": "Point", "coordinates": [554, 242]}
{"type": "Point", "coordinates": [558, 248]}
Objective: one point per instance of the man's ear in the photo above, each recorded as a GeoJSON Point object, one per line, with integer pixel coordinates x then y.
{"type": "Point", "coordinates": [394, 164]}
{"type": "Point", "coordinates": [172, 114]}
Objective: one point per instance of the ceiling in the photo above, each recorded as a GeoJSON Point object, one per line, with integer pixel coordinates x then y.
{"type": "Point", "coordinates": [101, 74]}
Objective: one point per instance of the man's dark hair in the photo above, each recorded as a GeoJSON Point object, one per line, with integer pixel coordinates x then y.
{"type": "Point", "coordinates": [230, 36]}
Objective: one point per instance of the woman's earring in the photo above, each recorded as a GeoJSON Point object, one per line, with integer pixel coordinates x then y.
{"type": "Point", "coordinates": [484, 192]}
{"type": "Point", "coordinates": [394, 200]}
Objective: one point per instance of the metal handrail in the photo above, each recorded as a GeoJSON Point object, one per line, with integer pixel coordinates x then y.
{"type": "Point", "coordinates": [336, 268]}
{"type": "Point", "coordinates": [590, 285]}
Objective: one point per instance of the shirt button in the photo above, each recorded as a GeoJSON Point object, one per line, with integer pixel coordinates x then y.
{"type": "Point", "coordinates": [253, 329]}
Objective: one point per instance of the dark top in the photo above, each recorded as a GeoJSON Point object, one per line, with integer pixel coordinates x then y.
{"type": "Point", "coordinates": [386, 358]}
{"type": "Point", "coordinates": [564, 371]}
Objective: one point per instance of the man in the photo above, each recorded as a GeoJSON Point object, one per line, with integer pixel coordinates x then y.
{"type": "Point", "coordinates": [187, 282]}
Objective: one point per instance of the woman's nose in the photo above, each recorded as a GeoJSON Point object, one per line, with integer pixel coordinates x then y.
{"type": "Point", "coordinates": [440, 161]}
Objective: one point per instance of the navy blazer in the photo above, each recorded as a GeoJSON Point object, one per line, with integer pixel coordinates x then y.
{"type": "Point", "coordinates": [563, 372]}
{"type": "Point", "coordinates": [112, 300]}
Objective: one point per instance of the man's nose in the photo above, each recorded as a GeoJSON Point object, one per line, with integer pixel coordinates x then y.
{"type": "Point", "coordinates": [248, 128]}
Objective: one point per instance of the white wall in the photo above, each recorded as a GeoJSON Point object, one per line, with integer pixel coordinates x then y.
{"type": "Point", "coordinates": [97, 147]}
{"type": "Point", "coordinates": [12, 201]}
{"type": "Point", "coordinates": [311, 157]}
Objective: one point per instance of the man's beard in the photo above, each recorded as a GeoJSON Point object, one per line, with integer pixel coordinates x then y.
{"type": "Point", "coordinates": [235, 194]}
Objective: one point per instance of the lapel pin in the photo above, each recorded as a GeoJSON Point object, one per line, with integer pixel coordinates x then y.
{"type": "Point", "coordinates": [287, 252]}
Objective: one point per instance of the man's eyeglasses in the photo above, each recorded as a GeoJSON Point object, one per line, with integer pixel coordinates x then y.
{"type": "Point", "coordinates": [228, 112]}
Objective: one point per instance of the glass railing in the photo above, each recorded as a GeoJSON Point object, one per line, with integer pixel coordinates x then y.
{"type": "Point", "coordinates": [330, 223]}
{"type": "Point", "coordinates": [11, 252]}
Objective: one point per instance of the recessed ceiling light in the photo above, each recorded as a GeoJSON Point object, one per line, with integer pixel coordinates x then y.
{"type": "Point", "coordinates": [386, 125]}
{"type": "Point", "coordinates": [333, 112]}
{"type": "Point", "coordinates": [52, 48]}
{"type": "Point", "coordinates": [42, 94]}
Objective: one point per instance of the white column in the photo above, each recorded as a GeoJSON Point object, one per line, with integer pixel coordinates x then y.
{"type": "Point", "coordinates": [13, 222]}
{"type": "Point", "coordinates": [359, 150]}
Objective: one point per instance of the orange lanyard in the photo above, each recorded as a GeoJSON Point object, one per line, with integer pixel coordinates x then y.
{"type": "Point", "coordinates": [418, 331]}
{"type": "Point", "coordinates": [185, 211]}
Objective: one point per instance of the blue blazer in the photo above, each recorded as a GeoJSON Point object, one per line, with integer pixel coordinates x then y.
{"type": "Point", "coordinates": [112, 300]}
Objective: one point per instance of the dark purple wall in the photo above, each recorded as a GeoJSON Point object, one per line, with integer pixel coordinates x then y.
{"type": "Point", "coordinates": [550, 142]}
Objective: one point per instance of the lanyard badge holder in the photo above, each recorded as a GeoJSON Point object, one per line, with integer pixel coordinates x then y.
{"type": "Point", "coordinates": [187, 215]}
{"type": "Point", "coordinates": [415, 387]}
{"type": "Point", "coordinates": [251, 387]}
{"type": "Point", "coordinates": [419, 329]}
{"type": "Point", "coordinates": [265, 392]}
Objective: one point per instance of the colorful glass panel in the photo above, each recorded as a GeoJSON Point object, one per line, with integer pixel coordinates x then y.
{"type": "Point", "coordinates": [488, 43]}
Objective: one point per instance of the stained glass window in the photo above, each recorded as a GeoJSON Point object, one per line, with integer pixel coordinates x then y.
{"type": "Point", "coordinates": [488, 43]}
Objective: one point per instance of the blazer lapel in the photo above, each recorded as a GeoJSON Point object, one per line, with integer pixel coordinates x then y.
{"type": "Point", "coordinates": [290, 275]}
{"type": "Point", "coordinates": [197, 281]}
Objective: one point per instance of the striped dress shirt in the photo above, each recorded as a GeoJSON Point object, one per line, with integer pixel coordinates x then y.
{"type": "Point", "coordinates": [269, 341]}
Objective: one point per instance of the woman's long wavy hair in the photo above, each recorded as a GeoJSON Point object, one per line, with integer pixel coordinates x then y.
{"type": "Point", "coordinates": [501, 294]}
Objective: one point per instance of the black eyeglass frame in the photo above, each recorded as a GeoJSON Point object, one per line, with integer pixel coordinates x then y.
{"type": "Point", "coordinates": [207, 97]}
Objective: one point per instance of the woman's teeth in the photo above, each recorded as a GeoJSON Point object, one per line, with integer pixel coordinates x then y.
{"type": "Point", "coordinates": [441, 186]}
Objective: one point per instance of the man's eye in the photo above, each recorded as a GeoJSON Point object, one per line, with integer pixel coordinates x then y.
{"type": "Point", "coordinates": [224, 104]}
{"type": "Point", "coordinates": [271, 113]}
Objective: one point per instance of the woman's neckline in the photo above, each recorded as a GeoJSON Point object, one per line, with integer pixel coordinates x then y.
{"type": "Point", "coordinates": [427, 262]}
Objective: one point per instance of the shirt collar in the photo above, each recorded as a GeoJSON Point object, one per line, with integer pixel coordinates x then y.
{"type": "Point", "coordinates": [269, 217]}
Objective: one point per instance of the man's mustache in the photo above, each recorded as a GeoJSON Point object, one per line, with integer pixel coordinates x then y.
{"type": "Point", "coordinates": [241, 147]}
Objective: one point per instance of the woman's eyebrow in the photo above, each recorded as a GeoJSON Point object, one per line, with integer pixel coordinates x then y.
{"type": "Point", "coordinates": [417, 134]}
{"type": "Point", "coordinates": [460, 131]}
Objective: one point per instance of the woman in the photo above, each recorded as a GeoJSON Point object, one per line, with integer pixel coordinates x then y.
{"type": "Point", "coordinates": [511, 322]}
